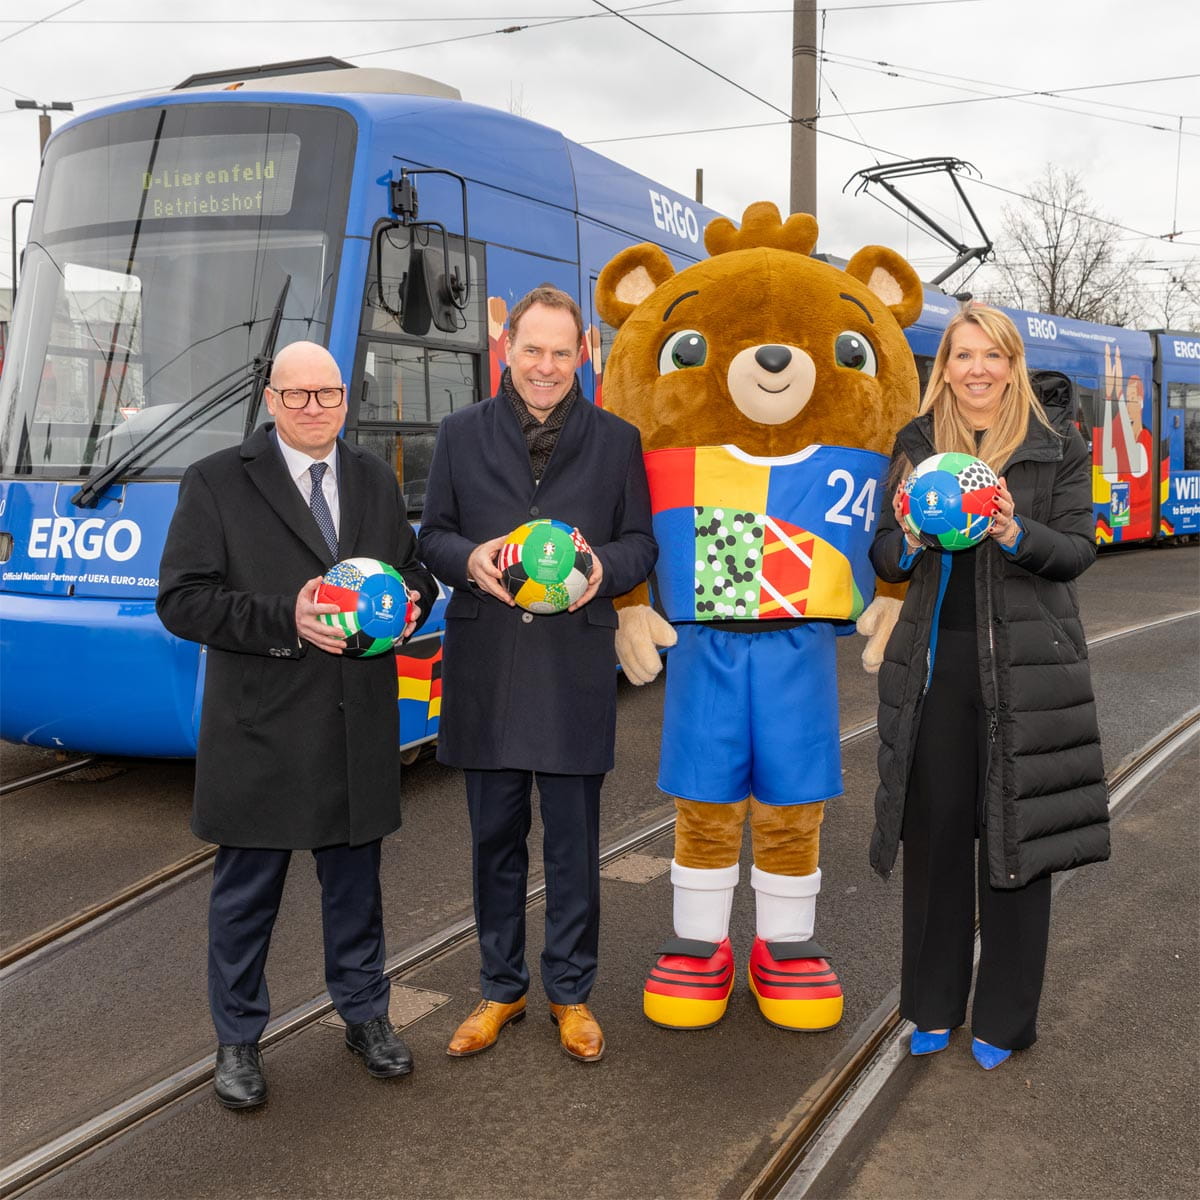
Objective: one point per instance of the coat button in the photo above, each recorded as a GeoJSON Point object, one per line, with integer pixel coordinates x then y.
{"type": "Point", "coordinates": [341, 707]}
{"type": "Point", "coordinates": [534, 510]}
{"type": "Point", "coordinates": [527, 618]}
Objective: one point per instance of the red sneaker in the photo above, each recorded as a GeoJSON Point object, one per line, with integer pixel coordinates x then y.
{"type": "Point", "coordinates": [690, 985]}
{"type": "Point", "coordinates": [794, 985]}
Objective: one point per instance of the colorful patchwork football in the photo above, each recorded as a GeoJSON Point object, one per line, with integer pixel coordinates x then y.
{"type": "Point", "coordinates": [372, 601]}
{"type": "Point", "coordinates": [545, 565]}
{"type": "Point", "coordinates": [949, 501]}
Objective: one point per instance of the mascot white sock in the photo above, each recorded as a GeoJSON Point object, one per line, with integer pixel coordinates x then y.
{"type": "Point", "coordinates": [786, 905]}
{"type": "Point", "coordinates": [703, 900]}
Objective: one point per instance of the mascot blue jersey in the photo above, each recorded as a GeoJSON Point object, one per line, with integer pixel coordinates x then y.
{"type": "Point", "coordinates": [756, 539]}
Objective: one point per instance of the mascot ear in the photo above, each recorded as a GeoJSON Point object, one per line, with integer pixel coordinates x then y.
{"type": "Point", "coordinates": [628, 279]}
{"type": "Point", "coordinates": [891, 279]}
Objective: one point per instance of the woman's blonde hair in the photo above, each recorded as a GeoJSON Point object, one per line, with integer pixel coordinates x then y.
{"type": "Point", "coordinates": [951, 430]}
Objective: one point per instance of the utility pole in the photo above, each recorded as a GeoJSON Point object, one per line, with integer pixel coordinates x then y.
{"type": "Point", "coordinates": [44, 117]}
{"type": "Point", "coordinates": [804, 107]}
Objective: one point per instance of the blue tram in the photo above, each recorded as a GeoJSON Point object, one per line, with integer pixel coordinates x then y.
{"type": "Point", "coordinates": [178, 240]}
{"type": "Point", "coordinates": [174, 242]}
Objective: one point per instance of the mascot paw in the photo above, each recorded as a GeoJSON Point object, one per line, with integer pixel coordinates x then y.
{"type": "Point", "coordinates": [640, 634]}
{"type": "Point", "coordinates": [779, 971]}
{"type": "Point", "coordinates": [876, 624]}
{"type": "Point", "coordinates": [690, 985]}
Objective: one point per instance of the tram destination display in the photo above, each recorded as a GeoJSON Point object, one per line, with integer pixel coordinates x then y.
{"type": "Point", "coordinates": [172, 178]}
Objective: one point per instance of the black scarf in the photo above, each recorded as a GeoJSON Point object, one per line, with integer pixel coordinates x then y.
{"type": "Point", "coordinates": [540, 436]}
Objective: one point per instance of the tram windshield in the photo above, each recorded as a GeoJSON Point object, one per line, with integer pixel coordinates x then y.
{"type": "Point", "coordinates": [158, 249]}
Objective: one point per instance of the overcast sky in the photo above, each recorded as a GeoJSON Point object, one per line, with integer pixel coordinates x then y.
{"type": "Point", "coordinates": [1125, 117]}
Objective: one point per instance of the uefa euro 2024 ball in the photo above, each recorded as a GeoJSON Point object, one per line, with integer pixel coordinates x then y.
{"type": "Point", "coordinates": [373, 605]}
{"type": "Point", "coordinates": [545, 565]}
{"type": "Point", "coordinates": [949, 501]}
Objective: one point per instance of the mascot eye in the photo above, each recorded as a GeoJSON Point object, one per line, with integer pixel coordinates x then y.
{"type": "Point", "coordinates": [682, 350]}
{"type": "Point", "coordinates": [854, 351]}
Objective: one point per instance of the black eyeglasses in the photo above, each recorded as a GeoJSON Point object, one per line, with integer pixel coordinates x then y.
{"type": "Point", "coordinates": [327, 397]}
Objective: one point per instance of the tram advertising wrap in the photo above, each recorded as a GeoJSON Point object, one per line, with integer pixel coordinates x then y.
{"type": "Point", "coordinates": [176, 239]}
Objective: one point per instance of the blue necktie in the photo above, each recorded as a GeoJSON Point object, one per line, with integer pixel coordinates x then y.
{"type": "Point", "coordinates": [320, 509]}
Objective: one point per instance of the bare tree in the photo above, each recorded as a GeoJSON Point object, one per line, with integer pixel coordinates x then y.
{"type": "Point", "coordinates": [1175, 302]}
{"type": "Point", "coordinates": [1057, 255]}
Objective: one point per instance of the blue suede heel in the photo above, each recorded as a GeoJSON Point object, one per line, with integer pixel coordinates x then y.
{"type": "Point", "coordinates": [928, 1043]}
{"type": "Point", "coordinates": [988, 1056]}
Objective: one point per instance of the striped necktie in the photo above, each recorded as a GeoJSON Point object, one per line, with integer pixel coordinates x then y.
{"type": "Point", "coordinates": [320, 508]}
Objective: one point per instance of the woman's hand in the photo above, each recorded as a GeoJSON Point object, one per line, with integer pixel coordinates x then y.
{"type": "Point", "coordinates": [1005, 526]}
{"type": "Point", "coordinates": [897, 508]}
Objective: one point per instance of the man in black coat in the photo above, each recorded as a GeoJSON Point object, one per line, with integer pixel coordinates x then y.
{"type": "Point", "coordinates": [298, 743]}
{"type": "Point", "coordinates": [526, 695]}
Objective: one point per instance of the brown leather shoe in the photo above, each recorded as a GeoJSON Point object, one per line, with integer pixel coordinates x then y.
{"type": "Point", "coordinates": [578, 1031]}
{"type": "Point", "coordinates": [481, 1029]}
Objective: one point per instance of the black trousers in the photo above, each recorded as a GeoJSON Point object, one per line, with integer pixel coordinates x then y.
{"type": "Point", "coordinates": [247, 887]}
{"type": "Point", "coordinates": [943, 818]}
{"type": "Point", "coordinates": [499, 807]}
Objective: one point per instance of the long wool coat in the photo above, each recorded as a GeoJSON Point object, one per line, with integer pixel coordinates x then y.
{"type": "Point", "coordinates": [298, 748]}
{"type": "Point", "coordinates": [521, 691]}
{"type": "Point", "coordinates": [1045, 797]}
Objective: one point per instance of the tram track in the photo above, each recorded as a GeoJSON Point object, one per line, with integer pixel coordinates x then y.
{"type": "Point", "coordinates": [36, 777]}
{"type": "Point", "coordinates": [860, 1071]}
{"type": "Point", "coordinates": [820, 1104]}
{"type": "Point", "coordinates": [48, 939]}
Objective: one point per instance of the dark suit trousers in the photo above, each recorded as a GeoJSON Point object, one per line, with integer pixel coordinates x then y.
{"type": "Point", "coordinates": [942, 820]}
{"type": "Point", "coordinates": [499, 807]}
{"type": "Point", "coordinates": [247, 887]}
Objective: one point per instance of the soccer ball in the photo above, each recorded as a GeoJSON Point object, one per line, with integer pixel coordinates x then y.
{"type": "Point", "coordinates": [949, 501]}
{"type": "Point", "coordinates": [545, 565]}
{"type": "Point", "coordinates": [372, 601]}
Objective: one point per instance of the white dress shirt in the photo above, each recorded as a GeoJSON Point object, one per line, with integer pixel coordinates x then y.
{"type": "Point", "coordinates": [298, 464]}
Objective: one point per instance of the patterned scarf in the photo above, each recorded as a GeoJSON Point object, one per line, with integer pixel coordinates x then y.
{"type": "Point", "coordinates": [540, 436]}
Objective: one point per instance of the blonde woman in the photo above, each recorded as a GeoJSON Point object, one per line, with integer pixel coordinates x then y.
{"type": "Point", "coordinates": [987, 720]}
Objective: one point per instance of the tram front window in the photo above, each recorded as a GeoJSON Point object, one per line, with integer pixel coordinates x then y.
{"type": "Point", "coordinates": [135, 307]}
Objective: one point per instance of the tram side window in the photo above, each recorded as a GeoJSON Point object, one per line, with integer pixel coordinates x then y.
{"type": "Point", "coordinates": [1087, 409]}
{"type": "Point", "coordinates": [1183, 402]}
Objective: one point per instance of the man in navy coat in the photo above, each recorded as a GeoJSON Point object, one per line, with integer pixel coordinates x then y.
{"type": "Point", "coordinates": [299, 744]}
{"type": "Point", "coordinates": [527, 696]}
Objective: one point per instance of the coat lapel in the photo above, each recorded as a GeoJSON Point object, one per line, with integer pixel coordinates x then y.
{"type": "Point", "coordinates": [510, 441]}
{"type": "Point", "coordinates": [268, 472]}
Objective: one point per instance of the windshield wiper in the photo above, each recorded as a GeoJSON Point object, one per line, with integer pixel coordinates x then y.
{"type": "Point", "coordinates": [190, 412]}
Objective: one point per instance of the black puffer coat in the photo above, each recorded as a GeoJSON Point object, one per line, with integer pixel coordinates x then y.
{"type": "Point", "coordinates": [1045, 802]}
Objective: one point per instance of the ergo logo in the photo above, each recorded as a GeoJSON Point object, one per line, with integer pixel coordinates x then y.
{"type": "Point", "coordinates": [51, 537]}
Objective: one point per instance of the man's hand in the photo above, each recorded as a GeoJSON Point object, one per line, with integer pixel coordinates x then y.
{"type": "Point", "coordinates": [415, 615]}
{"type": "Point", "coordinates": [593, 583]}
{"type": "Point", "coordinates": [325, 637]}
{"type": "Point", "coordinates": [483, 572]}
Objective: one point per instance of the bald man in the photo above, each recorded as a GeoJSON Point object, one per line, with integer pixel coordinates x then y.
{"type": "Point", "coordinates": [298, 744]}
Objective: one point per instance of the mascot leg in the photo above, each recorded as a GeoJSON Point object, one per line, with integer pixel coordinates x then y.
{"type": "Point", "coordinates": [691, 982]}
{"type": "Point", "coordinates": [789, 973]}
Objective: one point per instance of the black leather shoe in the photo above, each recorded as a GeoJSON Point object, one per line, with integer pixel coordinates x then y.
{"type": "Point", "coordinates": [381, 1047]}
{"type": "Point", "coordinates": [239, 1081]}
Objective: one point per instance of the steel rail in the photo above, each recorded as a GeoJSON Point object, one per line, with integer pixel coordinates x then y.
{"type": "Point", "coordinates": [66, 768]}
{"type": "Point", "coordinates": [52, 936]}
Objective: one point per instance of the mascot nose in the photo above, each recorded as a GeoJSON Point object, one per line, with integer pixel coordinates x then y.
{"type": "Point", "coordinates": [773, 358]}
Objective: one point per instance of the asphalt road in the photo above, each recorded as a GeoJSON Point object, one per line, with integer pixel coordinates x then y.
{"type": "Point", "coordinates": [679, 1115]}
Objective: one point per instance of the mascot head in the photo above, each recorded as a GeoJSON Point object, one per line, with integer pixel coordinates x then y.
{"type": "Point", "coordinates": [761, 346]}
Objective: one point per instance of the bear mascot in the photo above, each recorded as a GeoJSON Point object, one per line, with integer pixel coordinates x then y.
{"type": "Point", "coordinates": [768, 387]}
